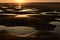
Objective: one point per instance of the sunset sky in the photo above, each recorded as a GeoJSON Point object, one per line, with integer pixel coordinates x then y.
{"type": "Point", "coordinates": [14, 1]}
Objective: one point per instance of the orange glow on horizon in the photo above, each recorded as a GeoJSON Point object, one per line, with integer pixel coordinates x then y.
{"type": "Point", "coordinates": [26, 1]}
{"type": "Point", "coordinates": [20, 1]}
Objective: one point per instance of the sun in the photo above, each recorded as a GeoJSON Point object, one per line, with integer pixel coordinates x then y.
{"type": "Point", "coordinates": [20, 1]}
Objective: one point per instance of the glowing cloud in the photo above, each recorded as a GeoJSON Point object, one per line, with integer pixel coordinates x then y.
{"type": "Point", "coordinates": [21, 16]}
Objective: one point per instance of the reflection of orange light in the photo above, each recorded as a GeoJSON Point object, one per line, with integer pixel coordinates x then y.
{"type": "Point", "coordinates": [22, 16]}
{"type": "Point", "coordinates": [20, 1]}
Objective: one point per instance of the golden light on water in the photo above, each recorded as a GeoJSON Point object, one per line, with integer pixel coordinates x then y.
{"type": "Point", "coordinates": [20, 1]}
